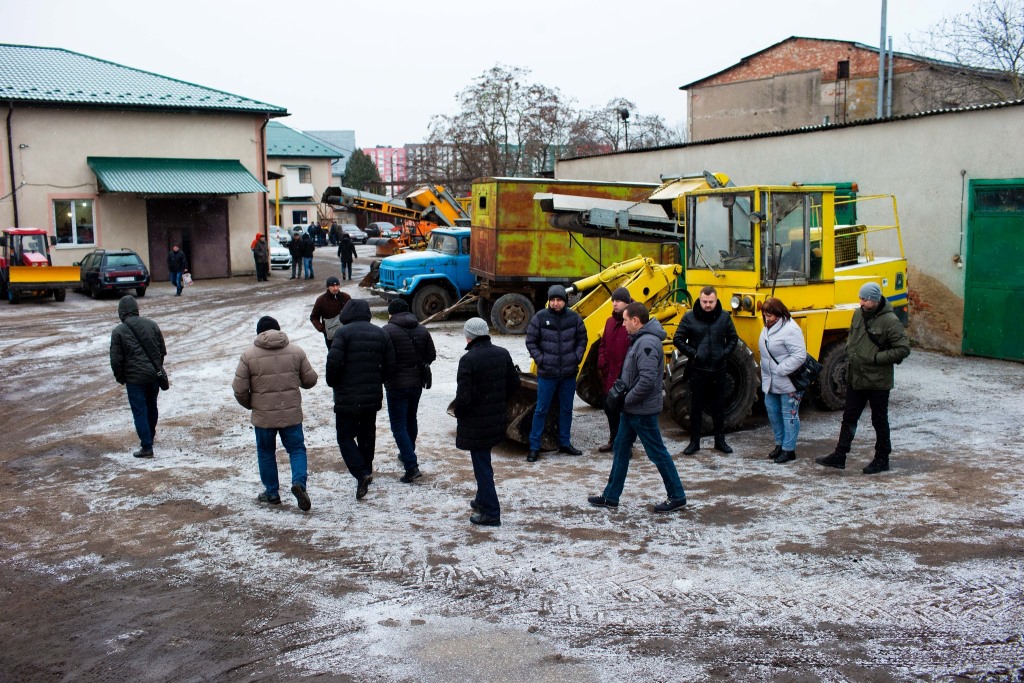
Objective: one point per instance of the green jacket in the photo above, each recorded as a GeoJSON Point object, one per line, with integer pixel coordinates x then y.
{"type": "Point", "coordinates": [871, 365]}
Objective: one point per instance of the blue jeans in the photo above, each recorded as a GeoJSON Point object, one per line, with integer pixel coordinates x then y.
{"type": "Point", "coordinates": [307, 265]}
{"type": "Point", "coordinates": [177, 281]}
{"type": "Point", "coordinates": [784, 416]}
{"type": "Point", "coordinates": [486, 496]}
{"type": "Point", "coordinates": [646, 427]}
{"type": "Point", "coordinates": [142, 399]}
{"type": "Point", "coordinates": [403, 402]}
{"type": "Point", "coordinates": [547, 389]}
{"type": "Point", "coordinates": [266, 454]}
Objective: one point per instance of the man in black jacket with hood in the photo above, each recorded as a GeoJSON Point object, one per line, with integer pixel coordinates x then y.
{"type": "Point", "coordinates": [136, 348]}
{"type": "Point", "coordinates": [414, 352]}
{"type": "Point", "coordinates": [360, 360]}
{"type": "Point", "coordinates": [706, 336]}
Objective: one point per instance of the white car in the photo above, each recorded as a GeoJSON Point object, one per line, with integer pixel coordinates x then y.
{"type": "Point", "coordinates": [278, 233]}
{"type": "Point", "coordinates": [280, 257]}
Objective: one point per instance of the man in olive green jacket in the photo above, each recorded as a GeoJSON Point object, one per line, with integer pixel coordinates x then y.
{"type": "Point", "coordinates": [877, 342]}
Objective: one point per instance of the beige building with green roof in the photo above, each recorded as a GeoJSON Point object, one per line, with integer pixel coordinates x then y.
{"type": "Point", "coordinates": [106, 156]}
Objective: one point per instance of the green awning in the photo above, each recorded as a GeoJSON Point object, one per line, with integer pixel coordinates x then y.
{"type": "Point", "coordinates": [173, 176]}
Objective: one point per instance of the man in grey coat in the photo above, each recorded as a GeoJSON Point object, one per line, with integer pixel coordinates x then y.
{"type": "Point", "coordinates": [136, 350]}
{"type": "Point", "coordinates": [642, 372]}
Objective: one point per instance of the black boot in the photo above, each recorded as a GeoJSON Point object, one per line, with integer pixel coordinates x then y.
{"type": "Point", "coordinates": [721, 445]}
{"type": "Point", "coordinates": [834, 459]}
{"type": "Point", "coordinates": [785, 456]}
{"type": "Point", "coordinates": [879, 464]}
{"type": "Point", "coordinates": [776, 452]}
{"type": "Point", "coordinates": [692, 448]}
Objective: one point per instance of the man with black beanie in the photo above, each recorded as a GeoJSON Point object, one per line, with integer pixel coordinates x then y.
{"type": "Point", "coordinates": [327, 309]}
{"type": "Point", "coordinates": [414, 352]}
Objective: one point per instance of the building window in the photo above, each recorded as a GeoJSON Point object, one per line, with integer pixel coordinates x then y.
{"type": "Point", "coordinates": [305, 175]}
{"type": "Point", "coordinates": [300, 218]}
{"type": "Point", "coordinates": [73, 222]}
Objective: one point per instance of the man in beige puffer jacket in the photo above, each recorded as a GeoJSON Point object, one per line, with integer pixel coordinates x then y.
{"type": "Point", "coordinates": [268, 381]}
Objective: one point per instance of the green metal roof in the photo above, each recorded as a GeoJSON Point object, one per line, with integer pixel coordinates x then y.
{"type": "Point", "coordinates": [47, 75]}
{"type": "Point", "coordinates": [283, 141]}
{"type": "Point", "coordinates": [173, 176]}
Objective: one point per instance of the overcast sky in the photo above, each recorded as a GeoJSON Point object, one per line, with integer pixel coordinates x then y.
{"type": "Point", "coordinates": [384, 67]}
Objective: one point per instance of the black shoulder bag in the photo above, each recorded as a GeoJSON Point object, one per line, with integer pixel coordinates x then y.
{"type": "Point", "coordinates": [426, 378]}
{"type": "Point", "coordinates": [802, 376]}
{"type": "Point", "coordinates": [161, 376]}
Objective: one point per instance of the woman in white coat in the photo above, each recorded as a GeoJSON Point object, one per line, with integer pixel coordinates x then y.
{"type": "Point", "coordinates": [782, 352]}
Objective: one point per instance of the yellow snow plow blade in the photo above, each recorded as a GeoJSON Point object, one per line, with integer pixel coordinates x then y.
{"type": "Point", "coordinates": [67, 275]}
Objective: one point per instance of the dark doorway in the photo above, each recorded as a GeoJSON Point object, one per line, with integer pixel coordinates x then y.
{"type": "Point", "coordinates": [200, 226]}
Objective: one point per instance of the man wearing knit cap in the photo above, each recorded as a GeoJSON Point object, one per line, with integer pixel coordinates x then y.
{"type": "Point", "coordinates": [268, 381]}
{"type": "Point", "coordinates": [556, 338]}
{"type": "Point", "coordinates": [611, 353]}
{"type": "Point", "coordinates": [137, 353]}
{"type": "Point", "coordinates": [414, 352]}
{"type": "Point", "coordinates": [876, 343]}
{"type": "Point", "coordinates": [485, 381]}
{"type": "Point", "coordinates": [327, 309]}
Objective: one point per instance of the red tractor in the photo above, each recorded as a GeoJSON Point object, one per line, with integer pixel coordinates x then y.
{"type": "Point", "coordinates": [26, 268]}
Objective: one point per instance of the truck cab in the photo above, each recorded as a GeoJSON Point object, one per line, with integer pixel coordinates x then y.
{"type": "Point", "coordinates": [432, 279]}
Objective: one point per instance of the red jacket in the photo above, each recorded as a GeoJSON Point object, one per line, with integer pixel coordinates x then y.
{"type": "Point", "coordinates": [612, 351]}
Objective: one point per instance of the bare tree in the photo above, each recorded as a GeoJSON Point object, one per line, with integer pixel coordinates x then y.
{"type": "Point", "coordinates": [990, 36]}
{"type": "Point", "coordinates": [612, 124]}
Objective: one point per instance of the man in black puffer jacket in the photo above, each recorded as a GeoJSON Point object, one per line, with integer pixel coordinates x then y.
{"type": "Point", "coordinates": [132, 344]}
{"type": "Point", "coordinates": [556, 339]}
{"type": "Point", "coordinates": [706, 336]}
{"type": "Point", "coordinates": [485, 381]}
{"type": "Point", "coordinates": [361, 359]}
{"type": "Point", "coordinates": [414, 351]}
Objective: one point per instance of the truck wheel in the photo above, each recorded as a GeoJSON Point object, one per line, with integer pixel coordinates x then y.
{"type": "Point", "coordinates": [512, 314]}
{"type": "Point", "coordinates": [140, 292]}
{"type": "Point", "coordinates": [741, 382]}
{"type": "Point", "coordinates": [588, 383]}
{"type": "Point", "coordinates": [60, 294]}
{"type": "Point", "coordinates": [13, 297]}
{"type": "Point", "coordinates": [829, 392]}
{"type": "Point", "coordinates": [428, 300]}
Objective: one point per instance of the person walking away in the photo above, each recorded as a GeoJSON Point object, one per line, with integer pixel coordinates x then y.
{"type": "Point", "coordinates": [876, 343]}
{"type": "Point", "coordinates": [414, 352]}
{"type": "Point", "coordinates": [360, 360]}
{"type": "Point", "coordinates": [485, 381]}
{"type": "Point", "coordinates": [610, 355]}
{"type": "Point", "coordinates": [783, 352]}
{"type": "Point", "coordinates": [268, 381]}
{"type": "Point", "coordinates": [556, 339]}
{"type": "Point", "coordinates": [261, 252]}
{"type": "Point", "coordinates": [642, 371]}
{"type": "Point", "coordinates": [327, 307]}
{"type": "Point", "coordinates": [707, 337]}
{"type": "Point", "coordinates": [308, 249]}
{"type": "Point", "coordinates": [346, 254]}
{"type": "Point", "coordinates": [333, 234]}
{"type": "Point", "coordinates": [295, 249]}
{"type": "Point", "coordinates": [177, 266]}
{"type": "Point", "coordinates": [136, 349]}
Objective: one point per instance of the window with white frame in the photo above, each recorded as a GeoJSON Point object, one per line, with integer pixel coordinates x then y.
{"type": "Point", "coordinates": [305, 174]}
{"type": "Point", "coordinates": [73, 222]}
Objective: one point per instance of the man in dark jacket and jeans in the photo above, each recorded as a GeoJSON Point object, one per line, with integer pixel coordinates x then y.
{"type": "Point", "coordinates": [642, 372]}
{"type": "Point", "coordinates": [707, 337]}
{"type": "Point", "coordinates": [361, 359]}
{"type": "Point", "coordinates": [556, 339]}
{"type": "Point", "coordinates": [177, 264]}
{"type": "Point", "coordinates": [136, 347]}
{"type": "Point", "coordinates": [327, 306]}
{"type": "Point", "coordinates": [414, 351]}
{"type": "Point", "coordinates": [877, 342]}
{"type": "Point", "coordinates": [485, 381]}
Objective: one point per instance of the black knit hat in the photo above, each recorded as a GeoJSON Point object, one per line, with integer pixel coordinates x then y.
{"type": "Point", "coordinates": [333, 281]}
{"type": "Point", "coordinates": [397, 306]}
{"type": "Point", "coordinates": [622, 294]}
{"type": "Point", "coordinates": [267, 323]}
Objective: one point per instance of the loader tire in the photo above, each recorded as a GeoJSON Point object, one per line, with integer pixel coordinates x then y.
{"type": "Point", "coordinates": [512, 313]}
{"type": "Point", "coordinates": [829, 391]}
{"type": "Point", "coordinates": [742, 378]}
{"type": "Point", "coordinates": [588, 382]}
{"type": "Point", "coordinates": [60, 294]}
{"type": "Point", "coordinates": [428, 300]}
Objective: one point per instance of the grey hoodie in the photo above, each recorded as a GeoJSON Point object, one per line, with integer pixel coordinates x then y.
{"type": "Point", "coordinates": [643, 370]}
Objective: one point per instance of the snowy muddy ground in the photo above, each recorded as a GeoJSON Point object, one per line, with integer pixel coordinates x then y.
{"type": "Point", "coordinates": [112, 568]}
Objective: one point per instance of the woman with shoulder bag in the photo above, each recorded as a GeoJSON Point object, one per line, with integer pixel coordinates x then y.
{"type": "Point", "coordinates": [783, 351]}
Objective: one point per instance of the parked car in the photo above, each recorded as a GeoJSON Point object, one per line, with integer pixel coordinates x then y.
{"type": "Point", "coordinates": [357, 235]}
{"type": "Point", "coordinates": [280, 257]}
{"type": "Point", "coordinates": [379, 229]}
{"type": "Point", "coordinates": [280, 234]}
{"type": "Point", "coordinates": [109, 270]}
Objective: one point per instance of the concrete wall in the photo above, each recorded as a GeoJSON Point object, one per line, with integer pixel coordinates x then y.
{"type": "Point", "coordinates": [50, 150]}
{"type": "Point", "coordinates": [925, 161]}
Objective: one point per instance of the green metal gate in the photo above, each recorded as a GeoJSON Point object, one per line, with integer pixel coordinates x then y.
{"type": "Point", "coordinates": [994, 288]}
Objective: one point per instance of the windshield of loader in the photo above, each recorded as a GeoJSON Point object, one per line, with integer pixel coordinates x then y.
{"type": "Point", "coordinates": [721, 235]}
{"type": "Point", "coordinates": [792, 249]}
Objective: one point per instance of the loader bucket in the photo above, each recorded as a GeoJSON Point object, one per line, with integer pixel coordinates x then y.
{"type": "Point", "coordinates": [521, 405]}
{"type": "Point", "coordinates": [370, 279]}
{"type": "Point", "coordinates": [387, 248]}
{"type": "Point", "coordinates": [68, 275]}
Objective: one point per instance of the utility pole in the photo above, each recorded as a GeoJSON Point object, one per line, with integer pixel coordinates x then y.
{"type": "Point", "coordinates": [881, 64]}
